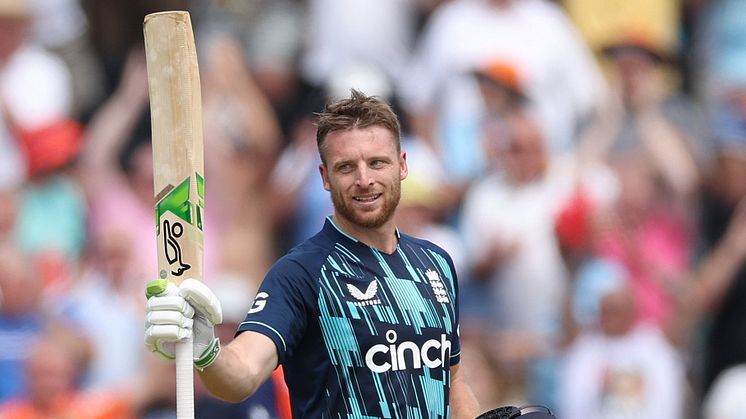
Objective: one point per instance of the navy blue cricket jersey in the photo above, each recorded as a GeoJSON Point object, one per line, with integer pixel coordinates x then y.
{"type": "Point", "coordinates": [362, 334]}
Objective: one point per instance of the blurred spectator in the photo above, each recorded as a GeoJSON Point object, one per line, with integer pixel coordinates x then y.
{"type": "Point", "coordinates": [51, 226]}
{"type": "Point", "coordinates": [616, 367]}
{"type": "Point", "coordinates": [344, 34]}
{"type": "Point", "coordinates": [37, 126]}
{"type": "Point", "coordinates": [106, 306]}
{"type": "Point", "coordinates": [672, 297]}
{"type": "Point", "coordinates": [21, 323]}
{"type": "Point", "coordinates": [651, 137]}
{"type": "Point", "coordinates": [502, 87]}
{"type": "Point", "coordinates": [270, 36]}
{"type": "Point", "coordinates": [296, 176]}
{"type": "Point", "coordinates": [724, 239]}
{"type": "Point", "coordinates": [61, 26]}
{"type": "Point", "coordinates": [556, 67]}
{"type": "Point", "coordinates": [652, 242]}
{"type": "Point", "coordinates": [51, 370]}
{"type": "Point", "coordinates": [244, 140]}
{"type": "Point", "coordinates": [644, 119]}
{"type": "Point", "coordinates": [601, 22]}
{"type": "Point", "coordinates": [36, 91]}
{"type": "Point", "coordinates": [115, 28]}
{"type": "Point", "coordinates": [24, 321]}
{"type": "Point", "coordinates": [120, 195]}
{"type": "Point", "coordinates": [515, 251]}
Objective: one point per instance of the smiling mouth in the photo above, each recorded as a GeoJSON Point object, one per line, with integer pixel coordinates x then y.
{"type": "Point", "coordinates": [370, 198]}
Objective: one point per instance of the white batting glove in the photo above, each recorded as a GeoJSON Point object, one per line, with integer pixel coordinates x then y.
{"type": "Point", "coordinates": [176, 312]}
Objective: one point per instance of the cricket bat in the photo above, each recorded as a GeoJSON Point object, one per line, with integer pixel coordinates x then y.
{"type": "Point", "coordinates": [178, 166]}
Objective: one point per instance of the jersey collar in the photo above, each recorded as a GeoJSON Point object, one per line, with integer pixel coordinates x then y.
{"type": "Point", "coordinates": [329, 221]}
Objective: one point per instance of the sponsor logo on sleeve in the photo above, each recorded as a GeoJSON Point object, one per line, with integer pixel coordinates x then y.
{"type": "Point", "coordinates": [260, 301]}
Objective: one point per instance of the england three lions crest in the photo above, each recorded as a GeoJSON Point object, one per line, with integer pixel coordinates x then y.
{"type": "Point", "coordinates": [441, 295]}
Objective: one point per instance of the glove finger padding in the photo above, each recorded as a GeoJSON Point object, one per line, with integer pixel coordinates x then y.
{"type": "Point", "coordinates": [208, 313]}
{"type": "Point", "coordinates": [168, 320]}
{"type": "Point", "coordinates": [202, 299]}
{"type": "Point", "coordinates": [173, 304]}
{"type": "Point", "coordinates": [161, 338]}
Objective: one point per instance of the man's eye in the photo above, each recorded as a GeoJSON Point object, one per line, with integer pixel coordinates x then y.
{"type": "Point", "coordinates": [344, 168]}
{"type": "Point", "coordinates": [377, 163]}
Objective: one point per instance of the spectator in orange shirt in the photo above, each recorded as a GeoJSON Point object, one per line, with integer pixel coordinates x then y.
{"type": "Point", "coordinates": [51, 369]}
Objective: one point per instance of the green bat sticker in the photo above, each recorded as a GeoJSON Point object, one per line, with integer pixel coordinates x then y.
{"type": "Point", "coordinates": [177, 202]}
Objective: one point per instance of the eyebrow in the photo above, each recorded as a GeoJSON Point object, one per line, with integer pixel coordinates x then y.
{"type": "Point", "coordinates": [371, 158]}
{"type": "Point", "coordinates": [337, 164]}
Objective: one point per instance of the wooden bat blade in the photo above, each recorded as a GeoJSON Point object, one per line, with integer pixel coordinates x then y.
{"type": "Point", "coordinates": [178, 166]}
{"type": "Point", "coordinates": [178, 163]}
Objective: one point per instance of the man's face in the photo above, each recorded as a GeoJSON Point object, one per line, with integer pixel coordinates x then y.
{"type": "Point", "coordinates": [517, 145]}
{"type": "Point", "coordinates": [617, 312]}
{"type": "Point", "coordinates": [363, 173]}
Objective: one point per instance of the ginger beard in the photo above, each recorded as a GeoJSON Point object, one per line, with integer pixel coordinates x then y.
{"type": "Point", "coordinates": [368, 218]}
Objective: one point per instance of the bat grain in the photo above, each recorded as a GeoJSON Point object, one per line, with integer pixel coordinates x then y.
{"type": "Point", "coordinates": [178, 166]}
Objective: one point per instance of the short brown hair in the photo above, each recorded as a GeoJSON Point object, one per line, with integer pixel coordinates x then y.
{"type": "Point", "coordinates": [357, 111]}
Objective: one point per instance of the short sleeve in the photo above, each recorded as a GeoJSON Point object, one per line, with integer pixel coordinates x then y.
{"type": "Point", "coordinates": [282, 306]}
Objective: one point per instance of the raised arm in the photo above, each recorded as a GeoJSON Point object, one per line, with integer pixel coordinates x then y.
{"type": "Point", "coordinates": [113, 124]}
{"type": "Point", "coordinates": [242, 366]}
{"type": "Point", "coordinates": [718, 270]}
{"type": "Point", "coordinates": [709, 284]}
{"type": "Point", "coordinates": [232, 373]}
{"type": "Point", "coordinates": [230, 85]}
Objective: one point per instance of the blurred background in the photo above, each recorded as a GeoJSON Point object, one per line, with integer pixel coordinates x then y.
{"type": "Point", "coordinates": [583, 161]}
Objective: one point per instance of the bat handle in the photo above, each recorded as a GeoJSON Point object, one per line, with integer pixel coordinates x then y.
{"type": "Point", "coordinates": [185, 379]}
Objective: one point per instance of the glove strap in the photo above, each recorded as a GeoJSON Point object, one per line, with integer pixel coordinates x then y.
{"type": "Point", "coordinates": [208, 356]}
{"type": "Point", "coordinates": [163, 354]}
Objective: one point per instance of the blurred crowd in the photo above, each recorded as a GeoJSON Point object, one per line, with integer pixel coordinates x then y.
{"type": "Point", "coordinates": [583, 161]}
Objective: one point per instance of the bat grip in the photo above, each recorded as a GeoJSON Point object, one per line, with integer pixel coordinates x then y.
{"type": "Point", "coordinates": [185, 379]}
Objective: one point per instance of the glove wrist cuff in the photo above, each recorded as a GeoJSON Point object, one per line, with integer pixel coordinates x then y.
{"type": "Point", "coordinates": [208, 356]}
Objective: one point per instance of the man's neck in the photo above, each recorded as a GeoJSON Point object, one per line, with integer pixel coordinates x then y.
{"type": "Point", "coordinates": [383, 238]}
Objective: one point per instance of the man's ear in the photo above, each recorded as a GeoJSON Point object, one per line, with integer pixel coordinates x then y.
{"type": "Point", "coordinates": [325, 177]}
{"type": "Point", "coordinates": [403, 169]}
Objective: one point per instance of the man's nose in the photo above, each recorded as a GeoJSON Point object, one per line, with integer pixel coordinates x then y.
{"type": "Point", "coordinates": [364, 177]}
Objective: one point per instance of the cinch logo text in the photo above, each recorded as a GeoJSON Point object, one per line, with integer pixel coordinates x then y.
{"type": "Point", "coordinates": [404, 355]}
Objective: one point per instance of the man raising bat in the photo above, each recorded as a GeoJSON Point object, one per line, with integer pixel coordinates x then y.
{"type": "Point", "coordinates": [363, 318]}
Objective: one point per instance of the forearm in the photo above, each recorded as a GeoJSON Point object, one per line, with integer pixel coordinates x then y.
{"type": "Point", "coordinates": [464, 404]}
{"type": "Point", "coordinates": [115, 121]}
{"type": "Point", "coordinates": [240, 368]}
{"type": "Point", "coordinates": [714, 277]}
{"type": "Point", "coordinates": [669, 151]}
{"type": "Point", "coordinates": [233, 82]}
{"type": "Point", "coordinates": [719, 269]}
